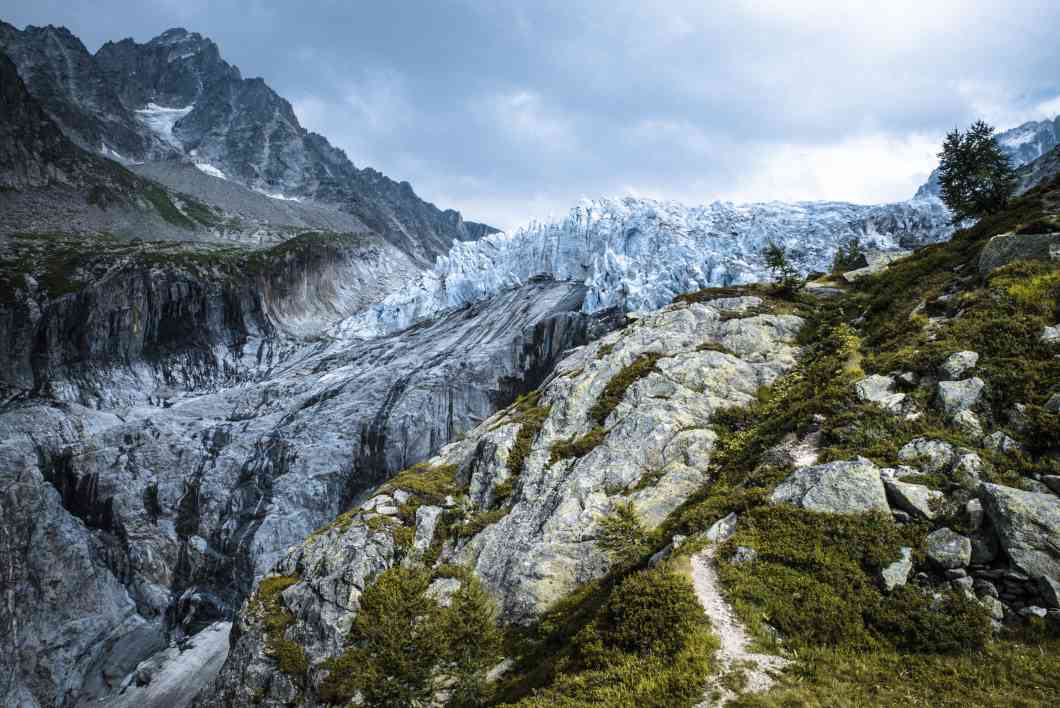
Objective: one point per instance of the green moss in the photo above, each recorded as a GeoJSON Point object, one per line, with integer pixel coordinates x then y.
{"type": "Point", "coordinates": [341, 523]}
{"type": "Point", "coordinates": [478, 522]}
{"type": "Point", "coordinates": [713, 347]}
{"type": "Point", "coordinates": [576, 447]}
{"type": "Point", "coordinates": [618, 385]}
{"type": "Point", "coordinates": [1004, 673]}
{"type": "Point", "coordinates": [622, 535]}
{"type": "Point", "coordinates": [605, 350]}
{"type": "Point", "coordinates": [430, 484]}
{"type": "Point", "coordinates": [267, 604]}
{"type": "Point", "coordinates": [531, 418]}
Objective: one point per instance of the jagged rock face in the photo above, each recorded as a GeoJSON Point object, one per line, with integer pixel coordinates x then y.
{"type": "Point", "coordinates": [653, 448]}
{"type": "Point", "coordinates": [640, 253]}
{"type": "Point", "coordinates": [66, 79]}
{"type": "Point", "coordinates": [33, 152]}
{"type": "Point", "coordinates": [172, 69]}
{"type": "Point", "coordinates": [176, 97]}
{"type": "Point", "coordinates": [168, 430]}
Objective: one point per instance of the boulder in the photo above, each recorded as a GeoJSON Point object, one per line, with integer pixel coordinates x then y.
{"type": "Point", "coordinates": [958, 364]}
{"type": "Point", "coordinates": [1053, 404]}
{"type": "Point", "coordinates": [426, 521]}
{"type": "Point", "coordinates": [1049, 589]}
{"type": "Point", "coordinates": [969, 424]}
{"type": "Point", "coordinates": [1052, 481]}
{"type": "Point", "coordinates": [948, 549]}
{"type": "Point", "coordinates": [881, 391]}
{"type": "Point", "coordinates": [915, 499]}
{"type": "Point", "coordinates": [722, 530]}
{"type": "Point", "coordinates": [897, 573]}
{"type": "Point", "coordinates": [1000, 442]}
{"type": "Point", "coordinates": [1051, 335]}
{"type": "Point", "coordinates": [842, 487]}
{"type": "Point", "coordinates": [1028, 527]}
{"type": "Point", "coordinates": [957, 396]}
{"type": "Point", "coordinates": [994, 607]}
{"type": "Point", "coordinates": [1006, 248]}
{"type": "Point", "coordinates": [933, 455]}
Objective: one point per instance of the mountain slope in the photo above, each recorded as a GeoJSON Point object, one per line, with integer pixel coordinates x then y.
{"type": "Point", "coordinates": [874, 477]}
{"type": "Point", "coordinates": [176, 97]}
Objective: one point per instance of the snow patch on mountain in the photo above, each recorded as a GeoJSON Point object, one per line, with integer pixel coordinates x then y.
{"type": "Point", "coordinates": [640, 253]}
{"type": "Point", "coordinates": [277, 195]}
{"type": "Point", "coordinates": [161, 119]}
{"type": "Point", "coordinates": [210, 170]}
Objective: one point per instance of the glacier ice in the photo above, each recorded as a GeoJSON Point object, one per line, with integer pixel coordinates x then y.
{"type": "Point", "coordinates": [161, 120]}
{"type": "Point", "coordinates": [640, 253]}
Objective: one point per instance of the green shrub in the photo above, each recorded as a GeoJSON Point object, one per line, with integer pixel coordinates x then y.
{"type": "Point", "coordinates": [430, 484]}
{"type": "Point", "coordinates": [576, 447]}
{"type": "Point", "coordinates": [651, 612]}
{"type": "Point", "coordinates": [623, 535]}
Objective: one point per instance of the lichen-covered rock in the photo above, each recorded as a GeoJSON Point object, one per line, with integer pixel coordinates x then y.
{"type": "Point", "coordinates": [1028, 526]}
{"type": "Point", "coordinates": [916, 499]}
{"type": "Point", "coordinates": [957, 396]}
{"type": "Point", "coordinates": [934, 455]}
{"type": "Point", "coordinates": [897, 574]}
{"type": "Point", "coordinates": [948, 549]}
{"type": "Point", "coordinates": [626, 418]}
{"type": "Point", "coordinates": [843, 487]}
{"type": "Point", "coordinates": [881, 391]}
{"type": "Point", "coordinates": [969, 423]}
{"type": "Point", "coordinates": [1006, 248]}
{"type": "Point", "coordinates": [958, 364]}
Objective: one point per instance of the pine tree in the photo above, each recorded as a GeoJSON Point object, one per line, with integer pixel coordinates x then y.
{"type": "Point", "coordinates": [399, 638]}
{"type": "Point", "coordinates": [474, 643]}
{"type": "Point", "coordinates": [622, 535]}
{"type": "Point", "coordinates": [786, 275]}
{"type": "Point", "coordinates": [975, 176]}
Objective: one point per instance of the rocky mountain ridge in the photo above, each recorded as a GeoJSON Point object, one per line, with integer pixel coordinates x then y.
{"type": "Point", "coordinates": [176, 98]}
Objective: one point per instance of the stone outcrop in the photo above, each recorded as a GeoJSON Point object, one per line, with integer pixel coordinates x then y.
{"type": "Point", "coordinates": [171, 429]}
{"type": "Point", "coordinates": [1028, 525]}
{"type": "Point", "coordinates": [845, 487]}
{"type": "Point", "coordinates": [1006, 248]}
{"type": "Point", "coordinates": [651, 446]}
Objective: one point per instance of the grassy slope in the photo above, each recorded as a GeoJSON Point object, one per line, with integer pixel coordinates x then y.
{"type": "Point", "coordinates": [815, 582]}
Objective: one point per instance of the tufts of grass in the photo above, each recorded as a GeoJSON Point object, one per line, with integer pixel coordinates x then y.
{"type": "Point", "coordinates": [267, 604]}
{"type": "Point", "coordinates": [576, 447]}
{"type": "Point", "coordinates": [618, 385]}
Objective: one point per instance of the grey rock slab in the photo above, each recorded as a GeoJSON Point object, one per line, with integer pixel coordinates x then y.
{"type": "Point", "coordinates": [1028, 526]}
{"type": "Point", "coordinates": [915, 499]}
{"type": "Point", "coordinates": [881, 391]}
{"type": "Point", "coordinates": [958, 364]}
{"type": "Point", "coordinates": [957, 396]}
{"type": "Point", "coordinates": [948, 549]}
{"type": "Point", "coordinates": [844, 487]}
{"type": "Point", "coordinates": [897, 574]}
{"type": "Point", "coordinates": [426, 522]}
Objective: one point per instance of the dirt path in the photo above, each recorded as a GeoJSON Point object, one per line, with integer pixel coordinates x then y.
{"type": "Point", "coordinates": [733, 653]}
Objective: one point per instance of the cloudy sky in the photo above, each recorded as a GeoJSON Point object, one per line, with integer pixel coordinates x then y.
{"type": "Point", "coordinates": [513, 110]}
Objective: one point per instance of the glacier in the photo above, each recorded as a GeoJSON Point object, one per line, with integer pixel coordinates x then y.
{"type": "Point", "coordinates": [639, 253]}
